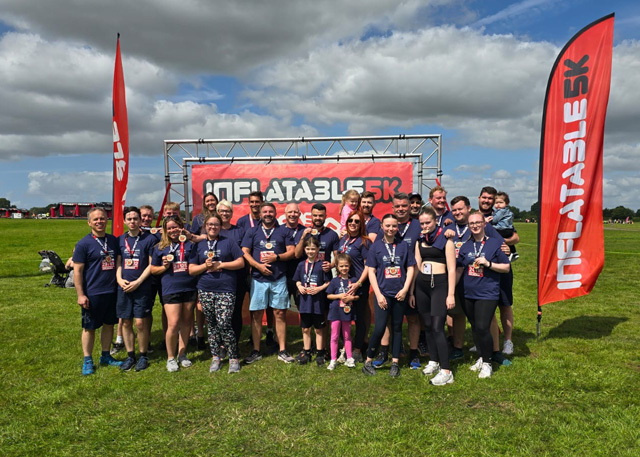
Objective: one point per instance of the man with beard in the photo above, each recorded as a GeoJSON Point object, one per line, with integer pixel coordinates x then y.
{"type": "Point", "coordinates": [372, 223]}
{"type": "Point", "coordinates": [416, 204]}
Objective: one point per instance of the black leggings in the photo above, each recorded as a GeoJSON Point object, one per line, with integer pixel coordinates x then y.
{"type": "Point", "coordinates": [360, 315]}
{"type": "Point", "coordinates": [432, 306]}
{"type": "Point", "coordinates": [395, 308]}
{"type": "Point", "coordinates": [480, 313]}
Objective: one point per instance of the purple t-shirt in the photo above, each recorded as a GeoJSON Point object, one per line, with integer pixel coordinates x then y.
{"type": "Point", "coordinates": [357, 250]}
{"type": "Point", "coordinates": [391, 272]}
{"type": "Point", "coordinates": [99, 258]}
{"type": "Point", "coordinates": [135, 253]}
{"type": "Point", "coordinates": [260, 240]}
{"type": "Point", "coordinates": [309, 274]}
{"type": "Point", "coordinates": [336, 312]}
{"type": "Point", "coordinates": [176, 278]}
{"type": "Point", "coordinates": [225, 250]}
{"type": "Point", "coordinates": [484, 283]}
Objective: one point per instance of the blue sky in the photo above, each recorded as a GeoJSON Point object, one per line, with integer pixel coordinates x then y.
{"type": "Point", "coordinates": [281, 69]}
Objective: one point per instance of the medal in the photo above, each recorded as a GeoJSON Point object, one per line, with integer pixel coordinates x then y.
{"type": "Point", "coordinates": [107, 258]}
{"type": "Point", "coordinates": [393, 270]}
{"type": "Point", "coordinates": [314, 232]}
{"type": "Point", "coordinates": [128, 262]}
{"type": "Point", "coordinates": [170, 257]}
{"type": "Point", "coordinates": [154, 231]}
{"type": "Point", "coordinates": [210, 254]}
{"type": "Point", "coordinates": [182, 238]}
{"type": "Point", "coordinates": [268, 245]}
{"type": "Point", "coordinates": [347, 309]}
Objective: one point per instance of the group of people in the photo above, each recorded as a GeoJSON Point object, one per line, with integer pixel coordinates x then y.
{"type": "Point", "coordinates": [434, 266]}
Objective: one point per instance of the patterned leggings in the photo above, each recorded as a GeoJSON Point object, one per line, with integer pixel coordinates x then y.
{"type": "Point", "coordinates": [218, 310]}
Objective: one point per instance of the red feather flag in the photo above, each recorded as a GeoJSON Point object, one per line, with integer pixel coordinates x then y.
{"type": "Point", "coordinates": [120, 146]}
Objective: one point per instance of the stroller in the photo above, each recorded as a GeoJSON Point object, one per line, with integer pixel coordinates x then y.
{"type": "Point", "coordinates": [52, 263]}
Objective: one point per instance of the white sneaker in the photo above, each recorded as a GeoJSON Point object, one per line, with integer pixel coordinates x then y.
{"type": "Point", "coordinates": [486, 371]}
{"type": "Point", "coordinates": [184, 362]}
{"type": "Point", "coordinates": [350, 363]}
{"type": "Point", "coordinates": [332, 365]}
{"type": "Point", "coordinates": [476, 366]}
{"type": "Point", "coordinates": [473, 349]}
{"type": "Point", "coordinates": [172, 365]}
{"type": "Point", "coordinates": [431, 368]}
{"type": "Point", "coordinates": [442, 378]}
{"type": "Point", "coordinates": [342, 358]}
{"type": "Point", "coordinates": [507, 348]}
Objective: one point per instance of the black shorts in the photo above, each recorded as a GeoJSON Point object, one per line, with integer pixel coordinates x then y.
{"type": "Point", "coordinates": [138, 304]}
{"type": "Point", "coordinates": [307, 320]}
{"type": "Point", "coordinates": [506, 289]}
{"type": "Point", "coordinates": [102, 311]}
{"type": "Point", "coordinates": [180, 297]}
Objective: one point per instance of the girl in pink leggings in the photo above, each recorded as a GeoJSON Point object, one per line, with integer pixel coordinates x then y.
{"type": "Point", "coordinates": [342, 299]}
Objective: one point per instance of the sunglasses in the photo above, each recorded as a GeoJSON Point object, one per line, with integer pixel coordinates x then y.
{"type": "Point", "coordinates": [355, 221]}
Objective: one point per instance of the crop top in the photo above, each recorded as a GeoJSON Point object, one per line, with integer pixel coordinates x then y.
{"type": "Point", "coordinates": [432, 253]}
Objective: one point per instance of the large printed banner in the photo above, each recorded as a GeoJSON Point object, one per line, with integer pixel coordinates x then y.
{"type": "Point", "coordinates": [570, 234]}
{"type": "Point", "coordinates": [304, 184]}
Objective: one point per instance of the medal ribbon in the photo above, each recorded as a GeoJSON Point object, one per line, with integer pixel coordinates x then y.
{"type": "Point", "coordinates": [466, 227]}
{"type": "Point", "coordinates": [307, 273]}
{"type": "Point", "coordinates": [478, 252]}
{"type": "Point", "coordinates": [212, 248]}
{"type": "Point", "coordinates": [265, 232]}
{"type": "Point", "coordinates": [104, 248]}
{"type": "Point", "coordinates": [129, 250]}
{"type": "Point", "coordinates": [347, 243]}
{"type": "Point", "coordinates": [392, 254]}
{"type": "Point", "coordinates": [406, 227]}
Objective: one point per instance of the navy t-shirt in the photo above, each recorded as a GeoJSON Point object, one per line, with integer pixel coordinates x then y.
{"type": "Point", "coordinates": [357, 250]}
{"type": "Point", "coordinates": [294, 234]}
{"type": "Point", "coordinates": [372, 225]}
{"type": "Point", "coordinates": [245, 224]}
{"type": "Point", "coordinates": [483, 283]}
{"type": "Point", "coordinates": [390, 273]}
{"type": "Point", "coordinates": [314, 274]}
{"type": "Point", "coordinates": [328, 243]}
{"type": "Point", "coordinates": [135, 253]}
{"type": "Point", "coordinates": [447, 215]}
{"type": "Point", "coordinates": [99, 258]}
{"type": "Point", "coordinates": [196, 224]}
{"type": "Point", "coordinates": [234, 233]}
{"type": "Point", "coordinates": [339, 286]}
{"type": "Point", "coordinates": [176, 278]}
{"type": "Point", "coordinates": [225, 250]}
{"type": "Point", "coordinates": [409, 232]}
{"type": "Point", "coordinates": [257, 242]}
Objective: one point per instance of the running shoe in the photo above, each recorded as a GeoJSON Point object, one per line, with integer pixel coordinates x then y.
{"type": "Point", "coordinates": [415, 364]}
{"type": "Point", "coordinates": [302, 358]}
{"type": "Point", "coordinates": [285, 357]}
{"type": "Point", "coordinates": [486, 371]}
{"type": "Point", "coordinates": [234, 366]}
{"type": "Point", "coordinates": [320, 361]}
{"type": "Point", "coordinates": [253, 357]}
{"type": "Point", "coordinates": [117, 347]}
{"type": "Point", "coordinates": [368, 369]}
{"type": "Point", "coordinates": [394, 371]}
{"type": "Point", "coordinates": [215, 365]}
{"type": "Point", "coordinates": [442, 378]}
{"type": "Point", "coordinates": [380, 360]}
{"type": "Point", "coordinates": [507, 348]}
{"type": "Point", "coordinates": [350, 363]}
{"type": "Point", "coordinates": [184, 361]}
{"type": "Point", "coordinates": [110, 361]}
{"type": "Point", "coordinates": [423, 349]}
{"type": "Point", "coordinates": [431, 368]}
{"type": "Point", "coordinates": [357, 357]}
{"type": "Point", "coordinates": [456, 354]}
{"type": "Point", "coordinates": [143, 363]}
{"type": "Point", "coordinates": [476, 366]}
{"type": "Point", "coordinates": [172, 366]}
{"type": "Point", "coordinates": [88, 367]}
{"type": "Point", "coordinates": [473, 349]}
{"type": "Point", "coordinates": [332, 365]}
{"type": "Point", "coordinates": [128, 364]}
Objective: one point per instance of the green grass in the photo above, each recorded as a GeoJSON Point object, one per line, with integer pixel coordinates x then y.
{"type": "Point", "coordinates": [576, 391]}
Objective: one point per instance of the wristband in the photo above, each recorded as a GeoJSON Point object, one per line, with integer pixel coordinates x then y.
{"type": "Point", "coordinates": [490, 263]}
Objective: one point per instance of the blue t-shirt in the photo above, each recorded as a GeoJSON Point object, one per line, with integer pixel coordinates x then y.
{"type": "Point", "coordinates": [245, 224]}
{"type": "Point", "coordinates": [257, 243]}
{"type": "Point", "coordinates": [372, 225]}
{"type": "Point", "coordinates": [336, 312]}
{"type": "Point", "coordinates": [447, 215]}
{"type": "Point", "coordinates": [409, 232]}
{"type": "Point", "coordinates": [358, 251]}
{"type": "Point", "coordinates": [295, 234]}
{"type": "Point", "coordinates": [99, 258]}
{"type": "Point", "coordinates": [135, 253]}
{"type": "Point", "coordinates": [196, 224]}
{"type": "Point", "coordinates": [314, 274]}
{"type": "Point", "coordinates": [225, 250]}
{"type": "Point", "coordinates": [234, 233]}
{"type": "Point", "coordinates": [391, 273]}
{"type": "Point", "coordinates": [483, 283]}
{"type": "Point", "coordinates": [328, 243]}
{"type": "Point", "coordinates": [176, 278]}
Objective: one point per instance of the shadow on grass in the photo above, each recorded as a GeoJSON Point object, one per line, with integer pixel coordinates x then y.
{"type": "Point", "coordinates": [586, 327]}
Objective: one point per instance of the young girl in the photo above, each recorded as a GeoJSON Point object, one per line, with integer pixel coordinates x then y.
{"type": "Point", "coordinates": [350, 203]}
{"type": "Point", "coordinates": [311, 281]}
{"type": "Point", "coordinates": [340, 312]}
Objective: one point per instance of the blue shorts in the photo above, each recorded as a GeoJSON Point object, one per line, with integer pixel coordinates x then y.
{"type": "Point", "coordinates": [102, 311]}
{"type": "Point", "coordinates": [272, 294]}
{"type": "Point", "coordinates": [138, 304]}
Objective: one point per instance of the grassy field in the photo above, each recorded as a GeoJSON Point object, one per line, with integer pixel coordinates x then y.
{"type": "Point", "coordinates": [575, 391]}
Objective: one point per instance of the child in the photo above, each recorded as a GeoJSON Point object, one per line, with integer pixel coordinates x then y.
{"type": "Point", "coordinates": [350, 203]}
{"type": "Point", "coordinates": [311, 281]}
{"type": "Point", "coordinates": [502, 220]}
{"type": "Point", "coordinates": [340, 313]}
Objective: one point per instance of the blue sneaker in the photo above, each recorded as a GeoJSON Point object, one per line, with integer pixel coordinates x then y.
{"type": "Point", "coordinates": [109, 360]}
{"type": "Point", "coordinates": [415, 364]}
{"type": "Point", "coordinates": [380, 360]}
{"type": "Point", "coordinates": [142, 364]}
{"type": "Point", "coordinates": [128, 364]}
{"type": "Point", "coordinates": [88, 367]}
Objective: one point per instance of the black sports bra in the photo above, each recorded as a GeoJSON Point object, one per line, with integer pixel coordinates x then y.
{"type": "Point", "coordinates": [431, 254]}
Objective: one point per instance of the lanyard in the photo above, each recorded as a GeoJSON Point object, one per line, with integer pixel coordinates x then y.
{"type": "Point", "coordinates": [466, 227]}
{"type": "Point", "coordinates": [347, 243]}
{"type": "Point", "coordinates": [308, 271]}
{"type": "Point", "coordinates": [344, 289]}
{"type": "Point", "coordinates": [173, 249]}
{"type": "Point", "coordinates": [478, 252]}
{"type": "Point", "coordinates": [392, 254]}
{"type": "Point", "coordinates": [406, 227]}
{"type": "Point", "coordinates": [265, 232]}
{"type": "Point", "coordinates": [431, 240]}
{"type": "Point", "coordinates": [104, 248]}
{"type": "Point", "coordinates": [251, 220]}
{"type": "Point", "coordinates": [212, 247]}
{"type": "Point", "coordinates": [130, 250]}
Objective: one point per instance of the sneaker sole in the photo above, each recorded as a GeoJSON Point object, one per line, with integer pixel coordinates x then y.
{"type": "Point", "coordinates": [450, 381]}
